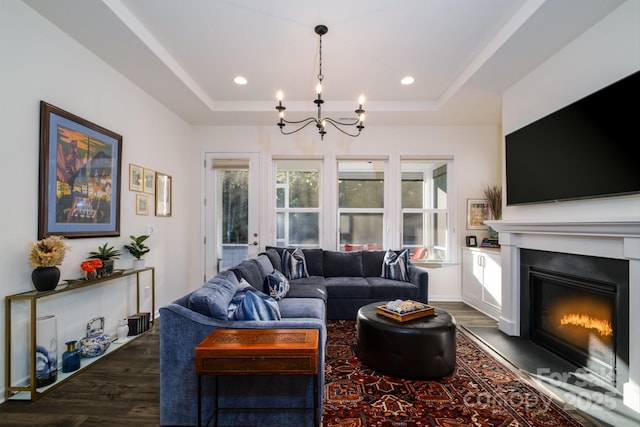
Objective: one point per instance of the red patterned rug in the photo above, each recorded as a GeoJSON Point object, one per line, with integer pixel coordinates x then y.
{"type": "Point", "coordinates": [480, 392]}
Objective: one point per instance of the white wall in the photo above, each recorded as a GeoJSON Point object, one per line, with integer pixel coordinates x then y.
{"type": "Point", "coordinates": [607, 52]}
{"type": "Point", "coordinates": [475, 150]}
{"type": "Point", "coordinates": [39, 62]}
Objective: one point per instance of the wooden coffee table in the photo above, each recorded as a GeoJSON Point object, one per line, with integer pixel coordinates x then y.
{"type": "Point", "coordinates": [255, 352]}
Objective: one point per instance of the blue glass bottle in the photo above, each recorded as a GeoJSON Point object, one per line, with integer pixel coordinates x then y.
{"type": "Point", "coordinates": [71, 357]}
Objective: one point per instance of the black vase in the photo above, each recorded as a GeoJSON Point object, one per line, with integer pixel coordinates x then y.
{"type": "Point", "coordinates": [45, 278]}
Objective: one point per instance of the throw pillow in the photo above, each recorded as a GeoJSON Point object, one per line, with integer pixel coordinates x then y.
{"type": "Point", "coordinates": [395, 266]}
{"type": "Point", "coordinates": [213, 298]}
{"type": "Point", "coordinates": [257, 306]}
{"type": "Point", "coordinates": [294, 265]}
{"type": "Point", "coordinates": [278, 285]}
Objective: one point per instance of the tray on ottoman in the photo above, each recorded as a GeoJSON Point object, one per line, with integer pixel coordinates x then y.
{"type": "Point", "coordinates": [409, 315]}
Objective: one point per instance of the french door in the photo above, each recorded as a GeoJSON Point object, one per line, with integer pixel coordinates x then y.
{"type": "Point", "coordinates": [232, 216]}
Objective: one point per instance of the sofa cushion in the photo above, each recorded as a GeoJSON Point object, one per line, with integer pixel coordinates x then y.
{"type": "Point", "coordinates": [313, 258]}
{"type": "Point", "coordinates": [264, 264]}
{"type": "Point", "coordinates": [278, 285]}
{"type": "Point", "coordinates": [249, 270]}
{"type": "Point", "coordinates": [302, 307]}
{"type": "Point", "coordinates": [342, 264]}
{"type": "Point", "coordinates": [213, 298]}
{"type": "Point", "coordinates": [392, 289]}
{"type": "Point", "coordinates": [256, 306]}
{"type": "Point", "coordinates": [395, 266]}
{"type": "Point", "coordinates": [308, 287]}
{"type": "Point", "coordinates": [371, 262]}
{"type": "Point", "coordinates": [347, 287]}
{"type": "Point", "coordinates": [275, 258]}
{"type": "Point", "coordinates": [294, 265]}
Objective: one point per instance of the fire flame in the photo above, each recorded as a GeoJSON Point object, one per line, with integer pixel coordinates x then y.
{"type": "Point", "coordinates": [602, 326]}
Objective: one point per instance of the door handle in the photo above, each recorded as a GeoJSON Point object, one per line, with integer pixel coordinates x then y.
{"type": "Point", "coordinates": [255, 243]}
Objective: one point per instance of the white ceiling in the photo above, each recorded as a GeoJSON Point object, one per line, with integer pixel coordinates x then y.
{"type": "Point", "coordinates": [462, 53]}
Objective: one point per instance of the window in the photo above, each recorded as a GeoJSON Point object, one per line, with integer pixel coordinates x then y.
{"type": "Point", "coordinates": [298, 209]}
{"type": "Point", "coordinates": [361, 203]}
{"type": "Point", "coordinates": [425, 209]}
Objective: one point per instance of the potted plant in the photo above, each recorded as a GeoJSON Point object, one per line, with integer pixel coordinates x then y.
{"type": "Point", "coordinates": [137, 249]}
{"type": "Point", "coordinates": [106, 254]}
{"type": "Point", "coordinates": [45, 256]}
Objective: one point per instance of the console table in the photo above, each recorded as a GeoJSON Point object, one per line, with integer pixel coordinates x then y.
{"type": "Point", "coordinates": [30, 391]}
{"type": "Point", "coordinates": [257, 351]}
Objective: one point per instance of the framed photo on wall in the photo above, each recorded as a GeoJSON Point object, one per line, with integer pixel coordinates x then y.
{"type": "Point", "coordinates": [149, 181]}
{"type": "Point", "coordinates": [135, 177]}
{"type": "Point", "coordinates": [163, 194]}
{"type": "Point", "coordinates": [79, 183]}
{"type": "Point", "coordinates": [142, 204]}
{"type": "Point", "coordinates": [477, 213]}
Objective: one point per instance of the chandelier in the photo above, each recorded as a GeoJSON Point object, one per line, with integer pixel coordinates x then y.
{"type": "Point", "coordinates": [321, 122]}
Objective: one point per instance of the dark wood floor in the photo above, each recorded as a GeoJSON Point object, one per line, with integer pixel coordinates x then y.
{"type": "Point", "coordinates": [123, 388]}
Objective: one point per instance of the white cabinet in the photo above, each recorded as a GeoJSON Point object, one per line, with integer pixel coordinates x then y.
{"type": "Point", "coordinates": [482, 280]}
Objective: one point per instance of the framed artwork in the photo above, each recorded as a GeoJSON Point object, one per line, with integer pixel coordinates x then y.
{"type": "Point", "coordinates": [163, 194]}
{"type": "Point", "coordinates": [477, 213]}
{"type": "Point", "coordinates": [142, 204]}
{"type": "Point", "coordinates": [135, 177]}
{"type": "Point", "coordinates": [471, 241]}
{"type": "Point", "coordinates": [80, 169]}
{"type": "Point", "coordinates": [149, 181]}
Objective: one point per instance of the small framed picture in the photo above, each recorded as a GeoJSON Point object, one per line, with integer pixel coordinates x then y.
{"type": "Point", "coordinates": [477, 214]}
{"type": "Point", "coordinates": [471, 241]}
{"type": "Point", "coordinates": [149, 182]}
{"type": "Point", "coordinates": [135, 177]}
{"type": "Point", "coordinates": [142, 204]}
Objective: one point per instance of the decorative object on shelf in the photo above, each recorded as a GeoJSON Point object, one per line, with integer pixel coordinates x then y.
{"type": "Point", "coordinates": [107, 254]}
{"type": "Point", "coordinates": [71, 357]}
{"type": "Point", "coordinates": [79, 176]}
{"type": "Point", "coordinates": [89, 268]}
{"type": "Point", "coordinates": [137, 249]}
{"type": "Point", "coordinates": [319, 121]}
{"type": "Point", "coordinates": [46, 350]}
{"type": "Point", "coordinates": [123, 329]}
{"type": "Point", "coordinates": [46, 255]}
{"type": "Point", "coordinates": [96, 342]}
{"type": "Point", "coordinates": [493, 194]}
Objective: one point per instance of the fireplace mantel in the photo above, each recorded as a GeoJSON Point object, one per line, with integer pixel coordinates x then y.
{"type": "Point", "coordinates": [620, 229]}
{"type": "Point", "coordinates": [619, 238]}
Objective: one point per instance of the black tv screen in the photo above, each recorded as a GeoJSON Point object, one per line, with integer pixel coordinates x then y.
{"type": "Point", "coordinates": [587, 149]}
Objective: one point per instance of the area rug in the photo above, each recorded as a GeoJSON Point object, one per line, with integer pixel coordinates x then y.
{"type": "Point", "coordinates": [482, 391]}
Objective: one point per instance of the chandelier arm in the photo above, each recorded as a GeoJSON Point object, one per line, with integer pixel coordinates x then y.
{"type": "Point", "coordinates": [299, 129]}
{"type": "Point", "coordinates": [337, 122]}
{"type": "Point", "coordinates": [354, 135]}
{"type": "Point", "coordinates": [293, 122]}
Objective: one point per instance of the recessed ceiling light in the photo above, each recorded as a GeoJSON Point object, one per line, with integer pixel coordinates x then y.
{"type": "Point", "coordinates": [239, 80]}
{"type": "Point", "coordinates": [407, 80]}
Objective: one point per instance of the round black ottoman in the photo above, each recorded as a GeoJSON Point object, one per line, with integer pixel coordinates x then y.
{"type": "Point", "coordinates": [419, 349]}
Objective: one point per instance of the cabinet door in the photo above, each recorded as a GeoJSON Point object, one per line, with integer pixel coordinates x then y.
{"type": "Point", "coordinates": [492, 283]}
{"type": "Point", "coordinates": [472, 275]}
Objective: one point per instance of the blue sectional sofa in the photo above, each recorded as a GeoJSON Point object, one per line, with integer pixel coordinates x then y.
{"type": "Point", "coordinates": [334, 286]}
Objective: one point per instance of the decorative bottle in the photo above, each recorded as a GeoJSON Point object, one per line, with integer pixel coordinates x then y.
{"type": "Point", "coordinates": [71, 357]}
{"type": "Point", "coordinates": [123, 329]}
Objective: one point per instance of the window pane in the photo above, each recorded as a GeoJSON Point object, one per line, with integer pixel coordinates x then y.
{"type": "Point", "coordinates": [280, 226]}
{"type": "Point", "coordinates": [280, 197]}
{"type": "Point", "coordinates": [412, 193]}
{"type": "Point", "coordinates": [235, 207]}
{"type": "Point", "coordinates": [303, 189]}
{"type": "Point", "coordinates": [412, 229]}
{"type": "Point", "coordinates": [303, 228]}
{"type": "Point", "coordinates": [361, 184]}
{"type": "Point", "coordinates": [361, 228]}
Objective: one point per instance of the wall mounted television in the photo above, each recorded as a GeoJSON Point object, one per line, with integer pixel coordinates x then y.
{"type": "Point", "coordinates": [584, 150]}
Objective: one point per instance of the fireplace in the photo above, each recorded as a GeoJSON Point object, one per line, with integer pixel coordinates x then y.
{"type": "Point", "coordinates": [576, 306]}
